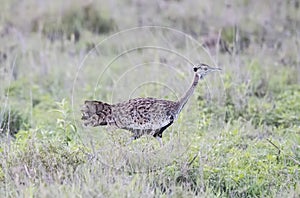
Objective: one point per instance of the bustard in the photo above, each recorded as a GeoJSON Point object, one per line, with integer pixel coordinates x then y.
{"type": "Point", "coordinates": [141, 115]}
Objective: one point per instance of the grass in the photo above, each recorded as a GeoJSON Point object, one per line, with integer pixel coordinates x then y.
{"type": "Point", "coordinates": [238, 136]}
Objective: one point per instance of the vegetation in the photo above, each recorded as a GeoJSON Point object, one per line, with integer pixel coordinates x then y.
{"type": "Point", "coordinates": [239, 136]}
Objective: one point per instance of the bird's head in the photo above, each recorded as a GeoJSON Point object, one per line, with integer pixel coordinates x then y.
{"type": "Point", "coordinates": [203, 69]}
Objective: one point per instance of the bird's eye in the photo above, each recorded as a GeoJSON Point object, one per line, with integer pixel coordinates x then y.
{"type": "Point", "coordinates": [205, 68]}
{"type": "Point", "coordinates": [195, 69]}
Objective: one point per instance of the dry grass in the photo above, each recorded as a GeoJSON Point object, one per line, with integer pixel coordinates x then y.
{"type": "Point", "coordinates": [237, 137]}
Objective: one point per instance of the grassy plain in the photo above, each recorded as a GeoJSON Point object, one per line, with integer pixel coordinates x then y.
{"type": "Point", "coordinates": [239, 135]}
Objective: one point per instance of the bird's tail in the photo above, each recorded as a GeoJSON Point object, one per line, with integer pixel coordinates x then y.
{"type": "Point", "coordinates": [95, 113]}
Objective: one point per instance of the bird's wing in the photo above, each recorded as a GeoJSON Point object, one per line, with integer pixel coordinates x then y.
{"type": "Point", "coordinates": [143, 114]}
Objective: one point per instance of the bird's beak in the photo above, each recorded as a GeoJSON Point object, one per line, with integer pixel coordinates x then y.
{"type": "Point", "coordinates": [215, 69]}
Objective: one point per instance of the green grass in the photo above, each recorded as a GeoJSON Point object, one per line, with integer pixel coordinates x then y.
{"type": "Point", "coordinates": [238, 136]}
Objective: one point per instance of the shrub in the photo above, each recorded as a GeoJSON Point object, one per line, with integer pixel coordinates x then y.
{"type": "Point", "coordinates": [12, 121]}
{"type": "Point", "coordinates": [72, 22]}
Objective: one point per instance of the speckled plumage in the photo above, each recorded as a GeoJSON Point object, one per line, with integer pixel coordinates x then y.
{"type": "Point", "coordinates": [141, 115]}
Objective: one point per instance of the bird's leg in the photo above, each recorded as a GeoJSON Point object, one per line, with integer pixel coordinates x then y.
{"type": "Point", "coordinates": [134, 136]}
{"type": "Point", "coordinates": [130, 140]}
{"type": "Point", "coordinates": [158, 136]}
{"type": "Point", "coordinates": [159, 139]}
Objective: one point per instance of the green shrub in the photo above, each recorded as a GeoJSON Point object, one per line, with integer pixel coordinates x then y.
{"type": "Point", "coordinates": [12, 121]}
{"type": "Point", "coordinates": [73, 21]}
{"type": "Point", "coordinates": [46, 154]}
{"type": "Point", "coordinates": [38, 158]}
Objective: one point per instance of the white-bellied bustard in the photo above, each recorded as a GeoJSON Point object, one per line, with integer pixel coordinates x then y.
{"type": "Point", "coordinates": [141, 115]}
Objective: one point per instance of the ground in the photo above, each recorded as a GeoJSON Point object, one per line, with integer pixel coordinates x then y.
{"type": "Point", "coordinates": [238, 136]}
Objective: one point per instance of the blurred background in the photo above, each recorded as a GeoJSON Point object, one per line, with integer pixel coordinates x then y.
{"type": "Point", "coordinates": [88, 49]}
{"type": "Point", "coordinates": [56, 54]}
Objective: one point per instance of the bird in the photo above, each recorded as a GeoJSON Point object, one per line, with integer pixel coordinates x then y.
{"type": "Point", "coordinates": [142, 116]}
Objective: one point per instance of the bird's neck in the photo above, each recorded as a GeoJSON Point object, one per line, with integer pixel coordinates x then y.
{"type": "Point", "coordinates": [188, 94]}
